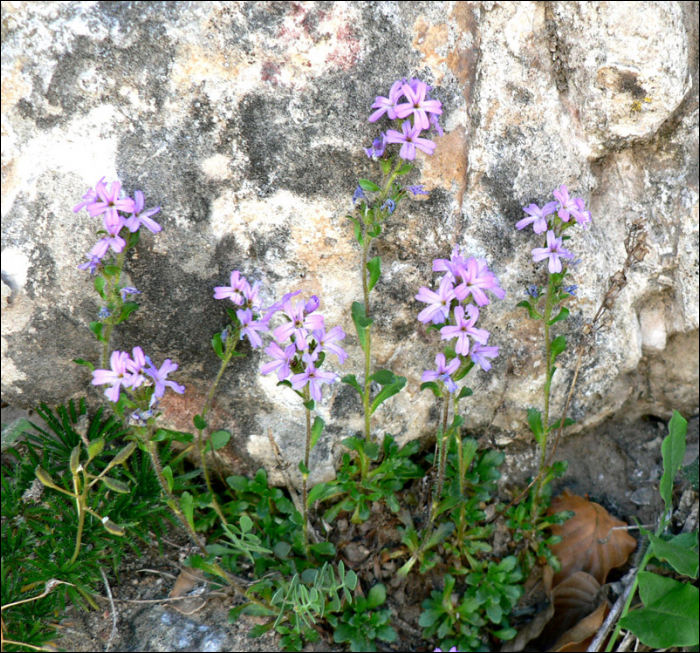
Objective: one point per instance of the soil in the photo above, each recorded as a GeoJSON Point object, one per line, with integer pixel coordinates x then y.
{"type": "Point", "coordinates": [617, 465]}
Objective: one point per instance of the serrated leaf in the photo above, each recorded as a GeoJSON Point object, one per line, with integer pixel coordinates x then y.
{"type": "Point", "coordinates": [316, 430]}
{"type": "Point", "coordinates": [673, 452]}
{"type": "Point", "coordinates": [115, 485]}
{"type": "Point", "coordinates": [561, 315]}
{"type": "Point", "coordinates": [366, 184]}
{"type": "Point", "coordinates": [375, 270]}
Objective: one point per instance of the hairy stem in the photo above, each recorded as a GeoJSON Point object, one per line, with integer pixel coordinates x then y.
{"type": "Point", "coordinates": [112, 290]}
{"type": "Point", "coordinates": [304, 476]}
{"type": "Point", "coordinates": [368, 340]}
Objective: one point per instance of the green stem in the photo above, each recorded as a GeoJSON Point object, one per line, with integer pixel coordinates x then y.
{"type": "Point", "coordinates": [368, 338]}
{"type": "Point", "coordinates": [80, 502]}
{"type": "Point", "coordinates": [231, 343]}
{"type": "Point", "coordinates": [547, 389]}
{"type": "Point", "coordinates": [304, 476]}
{"type": "Point", "coordinates": [440, 460]}
{"type": "Point", "coordinates": [112, 289]}
{"type": "Point", "coordinates": [462, 475]}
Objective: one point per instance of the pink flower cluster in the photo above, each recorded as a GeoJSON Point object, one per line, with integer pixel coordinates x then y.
{"type": "Point", "coordinates": [455, 308]}
{"type": "Point", "coordinates": [133, 372]}
{"type": "Point", "coordinates": [250, 315]}
{"type": "Point", "coordinates": [299, 342]}
{"type": "Point", "coordinates": [564, 209]}
{"type": "Point", "coordinates": [408, 99]}
{"type": "Point", "coordinates": [117, 213]}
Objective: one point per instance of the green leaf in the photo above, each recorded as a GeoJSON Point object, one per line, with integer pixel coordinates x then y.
{"type": "Point", "coordinates": [678, 552]}
{"type": "Point", "coordinates": [351, 380]}
{"type": "Point", "coordinates": [323, 548]}
{"type": "Point", "coordinates": [260, 629]}
{"type": "Point", "coordinates": [386, 392]}
{"type": "Point", "coordinates": [375, 270]}
{"type": "Point", "coordinates": [303, 468]}
{"type": "Point", "coordinates": [111, 270]}
{"type": "Point", "coordinates": [323, 491]}
{"type": "Point", "coordinates": [127, 310]}
{"type": "Point", "coordinates": [534, 419]}
{"type": "Point", "coordinates": [95, 448]}
{"type": "Point", "coordinates": [362, 323]}
{"type": "Point", "coordinates": [310, 404]}
{"type": "Point", "coordinates": [670, 614]}
{"type": "Point", "coordinates": [245, 524]}
{"type": "Point", "coordinates": [100, 286]}
{"type": "Point", "coordinates": [567, 422]}
{"type": "Point", "coordinates": [219, 439]}
{"type": "Point", "coordinates": [199, 422]}
{"type": "Point", "coordinates": [530, 309]}
{"type": "Point", "coordinates": [117, 486]}
{"type": "Point", "coordinates": [162, 435]}
{"type": "Point", "coordinates": [465, 392]}
{"type": "Point", "coordinates": [386, 634]}
{"type": "Point", "coordinates": [168, 473]}
{"type": "Point", "coordinates": [46, 479]}
{"type": "Point", "coordinates": [187, 505]}
{"type": "Point", "coordinates": [404, 169]}
{"type": "Point", "coordinates": [429, 617]}
{"type": "Point", "coordinates": [561, 315]}
{"type": "Point", "coordinates": [432, 386]}
{"type": "Point", "coordinates": [123, 454]}
{"type": "Point", "coordinates": [673, 452]}
{"type": "Point", "coordinates": [112, 528]}
{"type": "Point", "coordinates": [366, 184]}
{"type": "Point", "coordinates": [316, 431]}
{"type": "Point", "coordinates": [343, 633]}
{"type": "Point", "coordinates": [218, 345]}
{"type": "Point", "coordinates": [96, 328]}
{"type": "Point", "coordinates": [14, 430]}
{"type": "Point", "coordinates": [558, 346]}
{"type": "Point", "coordinates": [81, 361]}
{"type": "Point", "coordinates": [376, 596]}
{"type": "Point", "coordinates": [383, 377]}
{"type": "Point", "coordinates": [357, 226]}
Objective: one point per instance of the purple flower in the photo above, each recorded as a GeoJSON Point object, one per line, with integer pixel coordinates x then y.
{"type": "Point", "coordinates": [282, 360]}
{"type": "Point", "coordinates": [314, 378]}
{"type": "Point", "coordinates": [387, 105]}
{"type": "Point", "coordinates": [476, 278]}
{"type": "Point", "coordinates": [533, 291]}
{"type": "Point", "coordinates": [327, 341]}
{"type": "Point", "coordinates": [160, 377]}
{"type": "Point", "coordinates": [120, 375]}
{"type": "Point", "coordinates": [378, 146]}
{"type": "Point", "coordinates": [234, 292]}
{"type": "Point", "coordinates": [359, 194]}
{"type": "Point", "coordinates": [299, 324]}
{"type": "Point", "coordinates": [481, 353]}
{"type": "Point", "coordinates": [251, 296]}
{"type": "Point", "coordinates": [92, 264]}
{"type": "Point", "coordinates": [464, 328]}
{"type": "Point", "coordinates": [110, 202]}
{"type": "Point", "coordinates": [250, 327]}
{"type": "Point", "coordinates": [553, 252]}
{"type": "Point", "coordinates": [117, 243]}
{"type": "Point", "coordinates": [418, 105]}
{"type": "Point", "coordinates": [452, 265]}
{"type": "Point", "coordinates": [581, 215]}
{"type": "Point", "coordinates": [417, 190]}
{"type": "Point", "coordinates": [435, 124]}
{"type": "Point", "coordinates": [443, 372]}
{"type": "Point", "coordinates": [129, 290]}
{"type": "Point", "coordinates": [104, 313]}
{"type": "Point", "coordinates": [410, 141]}
{"type": "Point", "coordinates": [537, 217]}
{"type": "Point", "coordinates": [89, 198]}
{"type": "Point", "coordinates": [389, 206]}
{"type": "Point", "coordinates": [140, 217]}
{"type": "Point", "coordinates": [312, 304]}
{"type": "Point", "coordinates": [438, 302]}
{"type": "Point", "coordinates": [567, 205]}
{"type": "Point", "coordinates": [571, 290]}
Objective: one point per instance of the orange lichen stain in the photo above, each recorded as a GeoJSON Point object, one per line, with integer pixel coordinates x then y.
{"type": "Point", "coordinates": [450, 167]}
{"type": "Point", "coordinates": [430, 39]}
{"type": "Point", "coordinates": [463, 58]}
{"type": "Point", "coordinates": [14, 86]}
{"type": "Point", "coordinates": [195, 64]}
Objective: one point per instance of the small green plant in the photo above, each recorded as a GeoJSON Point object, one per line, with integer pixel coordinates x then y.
{"type": "Point", "coordinates": [462, 620]}
{"type": "Point", "coordinates": [669, 616]}
{"type": "Point", "coordinates": [379, 483]}
{"type": "Point", "coordinates": [361, 623]}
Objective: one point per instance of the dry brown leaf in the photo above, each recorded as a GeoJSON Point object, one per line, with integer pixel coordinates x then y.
{"type": "Point", "coordinates": [190, 582]}
{"type": "Point", "coordinates": [581, 635]}
{"type": "Point", "coordinates": [589, 542]}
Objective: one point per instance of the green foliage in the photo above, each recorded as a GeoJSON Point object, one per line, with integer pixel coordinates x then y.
{"type": "Point", "coordinates": [39, 524]}
{"type": "Point", "coordinates": [381, 483]}
{"type": "Point", "coordinates": [361, 623]}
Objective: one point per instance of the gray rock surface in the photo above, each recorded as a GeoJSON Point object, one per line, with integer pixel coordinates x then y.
{"type": "Point", "coordinates": [246, 123]}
